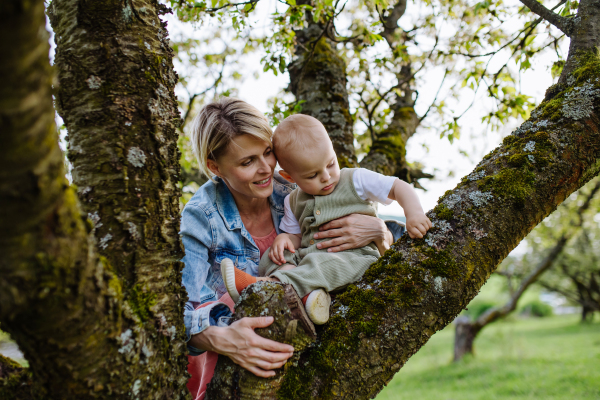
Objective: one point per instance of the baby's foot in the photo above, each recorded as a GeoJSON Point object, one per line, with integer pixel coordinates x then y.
{"type": "Point", "coordinates": [316, 304]}
{"type": "Point", "coordinates": [235, 279]}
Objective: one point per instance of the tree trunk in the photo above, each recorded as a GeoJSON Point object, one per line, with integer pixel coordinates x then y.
{"type": "Point", "coordinates": [419, 286]}
{"type": "Point", "coordinates": [464, 337]}
{"type": "Point", "coordinates": [318, 77]}
{"type": "Point", "coordinates": [92, 325]}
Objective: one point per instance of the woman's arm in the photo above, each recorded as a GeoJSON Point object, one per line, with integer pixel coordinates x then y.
{"type": "Point", "coordinates": [240, 343]}
{"type": "Point", "coordinates": [354, 231]}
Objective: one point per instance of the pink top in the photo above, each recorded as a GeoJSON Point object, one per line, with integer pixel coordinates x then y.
{"type": "Point", "coordinates": [265, 242]}
{"type": "Point", "coordinates": [202, 367]}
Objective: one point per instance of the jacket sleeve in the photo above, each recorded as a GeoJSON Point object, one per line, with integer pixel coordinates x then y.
{"type": "Point", "coordinates": [195, 235]}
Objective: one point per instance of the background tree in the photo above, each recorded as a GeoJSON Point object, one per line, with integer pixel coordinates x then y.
{"type": "Point", "coordinates": [569, 219]}
{"type": "Point", "coordinates": [97, 309]}
{"type": "Point", "coordinates": [578, 275]}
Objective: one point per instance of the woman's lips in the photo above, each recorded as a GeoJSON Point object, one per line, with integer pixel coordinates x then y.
{"type": "Point", "coordinates": [263, 183]}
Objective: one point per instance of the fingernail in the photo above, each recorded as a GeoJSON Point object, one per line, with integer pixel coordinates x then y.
{"type": "Point", "coordinates": [329, 250]}
{"type": "Point", "coordinates": [316, 236]}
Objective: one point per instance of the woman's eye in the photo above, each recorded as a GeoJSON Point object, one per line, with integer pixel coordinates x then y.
{"type": "Point", "coordinates": [246, 163]}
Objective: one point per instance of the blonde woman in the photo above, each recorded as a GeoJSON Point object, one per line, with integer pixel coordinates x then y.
{"type": "Point", "coordinates": [236, 215]}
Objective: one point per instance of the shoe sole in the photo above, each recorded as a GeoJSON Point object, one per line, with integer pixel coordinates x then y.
{"type": "Point", "coordinates": [228, 274]}
{"type": "Point", "coordinates": [317, 306]}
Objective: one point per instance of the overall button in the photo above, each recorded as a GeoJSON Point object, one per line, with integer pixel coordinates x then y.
{"type": "Point", "coordinates": [312, 241]}
{"type": "Point", "coordinates": [318, 212]}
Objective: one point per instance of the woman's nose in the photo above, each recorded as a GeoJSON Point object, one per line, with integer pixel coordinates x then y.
{"type": "Point", "coordinates": [264, 166]}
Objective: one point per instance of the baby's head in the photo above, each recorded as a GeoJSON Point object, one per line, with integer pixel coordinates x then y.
{"type": "Point", "coordinates": [304, 151]}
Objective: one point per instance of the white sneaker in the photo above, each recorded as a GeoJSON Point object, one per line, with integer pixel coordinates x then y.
{"type": "Point", "coordinates": [228, 274]}
{"type": "Point", "coordinates": [317, 306]}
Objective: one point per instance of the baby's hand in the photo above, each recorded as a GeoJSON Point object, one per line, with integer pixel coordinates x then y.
{"type": "Point", "coordinates": [281, 242]}
{"type": "Point", "coordinates": [417, 225]}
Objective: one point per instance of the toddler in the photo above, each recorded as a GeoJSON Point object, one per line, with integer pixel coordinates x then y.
{"type": "Point", "coordinates": [324, 193]}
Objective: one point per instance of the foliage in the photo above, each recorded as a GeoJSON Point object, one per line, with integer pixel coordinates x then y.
{"type": "Point", "coordinates": [478, 307]}
{"type": "Point", "coordinates": [461, 48]}
{"type": "Point", "coordinates": [537, 308]}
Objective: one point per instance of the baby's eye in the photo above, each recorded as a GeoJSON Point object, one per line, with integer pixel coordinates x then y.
{"type": "Point", "coordinates": [312, 176]}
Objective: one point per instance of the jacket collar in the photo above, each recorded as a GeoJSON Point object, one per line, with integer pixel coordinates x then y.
{"type": "Point", "coordinates": [229, 211]}
{"type": "Point", "coordinates": [226, 206]}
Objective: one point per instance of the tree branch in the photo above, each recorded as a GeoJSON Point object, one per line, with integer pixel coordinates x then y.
{"type": "Point", "coordinates": [562, 23]}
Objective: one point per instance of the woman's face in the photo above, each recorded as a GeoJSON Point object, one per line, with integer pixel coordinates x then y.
{"type": "Point", "coordinates": [247, 166]}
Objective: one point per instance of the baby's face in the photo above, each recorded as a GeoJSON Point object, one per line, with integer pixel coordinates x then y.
{"type": "Point", "coordinates": [316, 170]}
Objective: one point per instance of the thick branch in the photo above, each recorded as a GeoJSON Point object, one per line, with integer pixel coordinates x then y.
{"type": "Point", "coordinates": [419, 286]}
{"type": "Point", "coordinates": [562, 23]}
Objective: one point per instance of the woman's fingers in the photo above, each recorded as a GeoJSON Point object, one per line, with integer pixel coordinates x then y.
{"type": "Point", "coordinates": [329, 233]}
{"type": "Point", "coordinates": [279, 350]}
{"type": "Point", "coordinates": [332, 243]}
{"type": "Point", "coordinates": [258, 372]}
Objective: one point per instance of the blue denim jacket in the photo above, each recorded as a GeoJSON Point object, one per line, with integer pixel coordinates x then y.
{"type": "Point", "coordinates": [212, 229]}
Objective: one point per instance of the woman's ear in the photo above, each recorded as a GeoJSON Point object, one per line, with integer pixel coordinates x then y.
{"type": "Point", "coordinates": [286, 176]}
{"type": "Point", "coordinates": [213, 167]}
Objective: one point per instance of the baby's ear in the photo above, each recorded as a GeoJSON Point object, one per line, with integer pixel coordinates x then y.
{"type": "Point", "coordinates": [286, 176]}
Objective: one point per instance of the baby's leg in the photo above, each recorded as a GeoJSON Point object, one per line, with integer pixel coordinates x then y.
{"type": "Point", "coordinates": [266, 267]}
{"type": "Point", "coordinates": [327, 271]}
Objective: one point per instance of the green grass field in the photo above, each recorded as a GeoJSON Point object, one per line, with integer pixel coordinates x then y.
{"type": "Point", "coordinates": [535, 358]}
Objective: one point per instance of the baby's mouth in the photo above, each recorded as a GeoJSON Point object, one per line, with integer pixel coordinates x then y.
{"type": "Point", "coordinates": [327, 187]}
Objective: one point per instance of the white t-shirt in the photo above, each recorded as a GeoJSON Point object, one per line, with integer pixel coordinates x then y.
{"type": "Point", "coordinates": [369, 185]}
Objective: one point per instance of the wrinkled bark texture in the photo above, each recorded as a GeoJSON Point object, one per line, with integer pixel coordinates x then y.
{"type": "Point", "coordinates": [467, 330]}
{"type": "Point", "coordinates": [91, 324]}
{"type": "Point", "coordinates": [318, 77]}
{"type": "Point", "coordinates": [419, 286]}
{"type": "Point", "coordinates": [116, 96]}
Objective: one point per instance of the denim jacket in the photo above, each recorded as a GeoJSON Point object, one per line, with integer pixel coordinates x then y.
{"type": "Point", "coordinates": [211, 230]}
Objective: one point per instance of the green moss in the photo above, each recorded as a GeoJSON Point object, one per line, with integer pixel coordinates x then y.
{"type": "Point", "coordinates": [443, 212]}
{"type": "Point", "coordinates": [141, 301]}
{"type": "Point", "coordinates": [510, 183]}
{"type": "Point", "coordinates": [441, 262]}
{"type": "Point", "coordinates": [517, 160]}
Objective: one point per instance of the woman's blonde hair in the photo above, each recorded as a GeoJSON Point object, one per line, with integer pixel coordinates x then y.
{"type": "Point", "coordinates": [218, 123]}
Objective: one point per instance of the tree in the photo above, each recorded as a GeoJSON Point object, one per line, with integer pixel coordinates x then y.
{"type": "Point", "coordinates": [467, 330]}
{"type": "Point", "coordinates": [578, 278]}
{"type": "Point", "coordinates": [96, 307]}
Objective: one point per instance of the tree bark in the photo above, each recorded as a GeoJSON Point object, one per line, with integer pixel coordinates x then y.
{"type": "Point", "coordinates": [387, 154]}
{"type": "Point", "coordinates": [467, 331]}
{"type": "Point", "coordinates": [318, 78]}
{"type": "Point", "coordinates": [91, 325]}
{"type": "Point", "coordinates": [419, 286]}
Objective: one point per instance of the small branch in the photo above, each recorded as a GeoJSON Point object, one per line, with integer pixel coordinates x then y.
{"type": "Point", "coordinates": [561, 23]}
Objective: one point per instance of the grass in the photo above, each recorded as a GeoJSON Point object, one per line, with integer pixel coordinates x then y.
{"type": "Point", "coordinates": [546, 358]}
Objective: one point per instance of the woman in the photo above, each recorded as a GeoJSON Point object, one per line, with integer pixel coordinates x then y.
{"type": "Point", "coordinates": [236, 215]}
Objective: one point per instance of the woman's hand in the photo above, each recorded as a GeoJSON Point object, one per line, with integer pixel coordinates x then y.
{"type": "Point", "coordinates": [245, 348]}
{"type": "Point", "coordinates": [354, 231]}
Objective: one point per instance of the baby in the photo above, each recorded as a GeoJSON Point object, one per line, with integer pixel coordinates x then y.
{"type": "Point", "coordinates": [324, 193]}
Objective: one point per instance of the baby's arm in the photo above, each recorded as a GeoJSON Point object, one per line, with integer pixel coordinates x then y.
{"type": "Point", "coordinates": [417, 223]}
{"type": "Point", "coordinates": [283, 241]}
